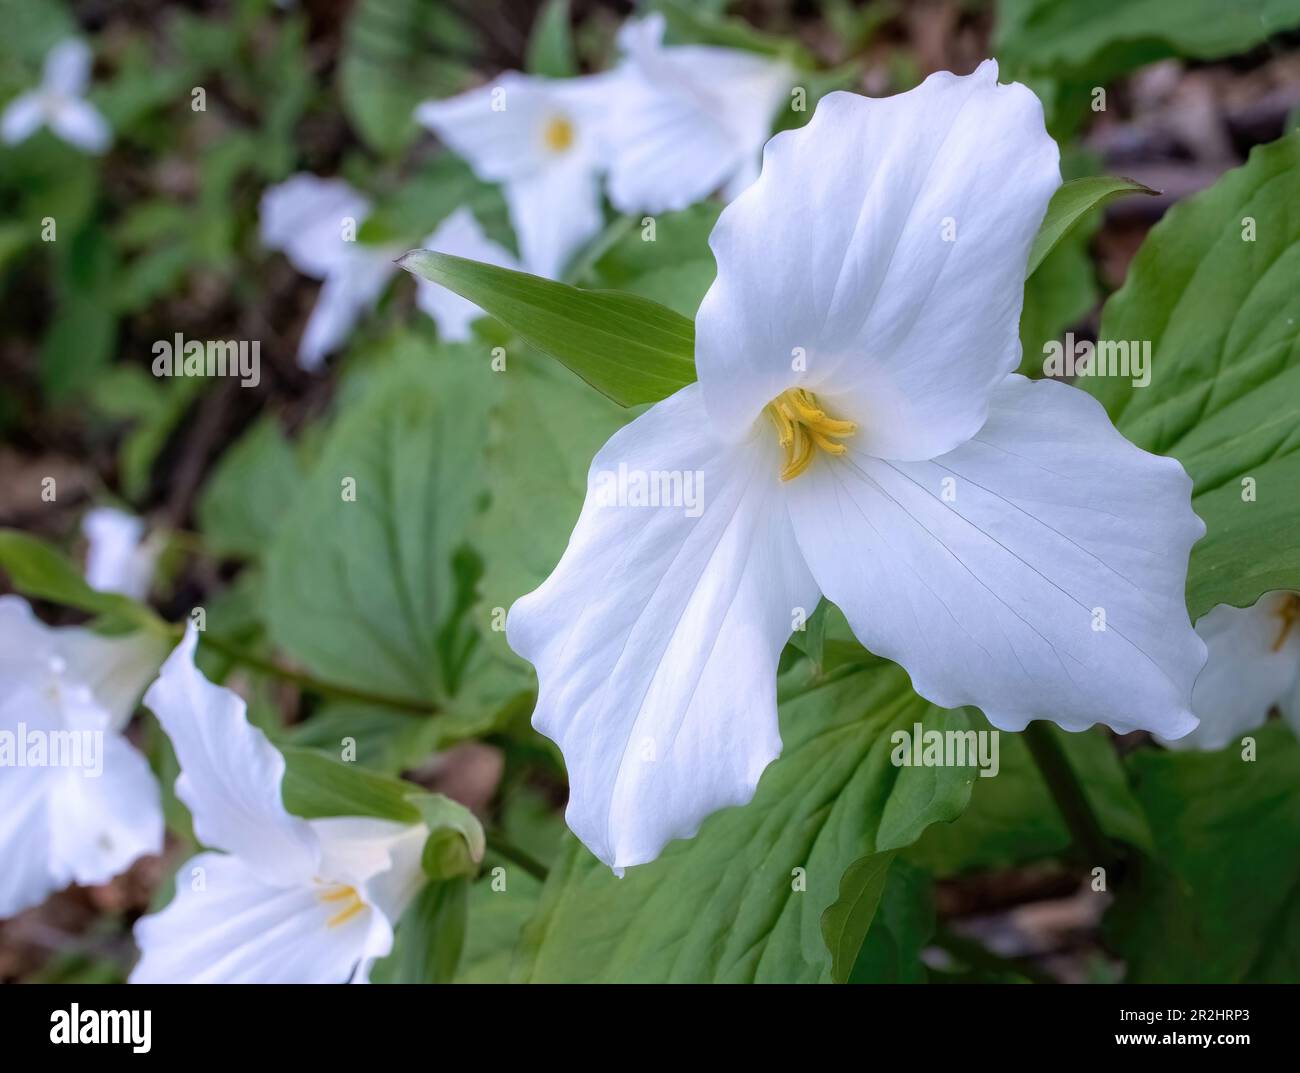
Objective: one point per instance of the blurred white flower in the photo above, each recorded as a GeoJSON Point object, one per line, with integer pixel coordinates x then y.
{"type": "Point", "coordinates": [285, 900]}
{"type": "Point", "coordinates": [461, 236]}
{"type": "Point", "coordinates": [858, 432]}
{"type": "Point", "coordinates": [59, 103]}
{"type": "Point", "coordinates": [540, 139]}
{"type": "Point", "coordinates": [314, 221]}
{"type": "Point", "coordinates": [78, 803]}
{"type": "Point", "coordinates": [1253, 664]}
{"type": "Point", "coordinates": [119, 558]}
{"type": "Point", "coordinates": [687, 120]}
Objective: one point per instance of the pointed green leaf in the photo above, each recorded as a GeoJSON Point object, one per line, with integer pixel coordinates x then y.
{"type": "Point", "coordinates": [1071, 202]}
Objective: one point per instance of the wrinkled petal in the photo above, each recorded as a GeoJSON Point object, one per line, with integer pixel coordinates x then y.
{"type": "Point", "coordinates": [313, 221]}
{"type": "Point", "coordinates": [67, 68]}
{"type": "Point", "coordinates": [982, 572]}
{"type": "Point", "coordinates": [837, 260]}
{"type": "Point", "coordinates": [691, 119]}
{"type": "Point", "coordinates": [461, 236]}
{"type": "Point", "coordinates": [656, 639]}
{"type": "Point", "coordinates": [117, 557]}
{"type": "Point", "coordinates": [101, 824]}
{"type": "Point", "coordinates": [230, 774]}
{"type": "Point", "coordinates": [79, 124]}
{"type": "Point", "coordinates": [23, 117]}
{"type": "Point", "coordinates": [226, 924]}
{"type": "Point", "coordinates": [350, 290]}
{"type": "Point", "coordinates": [1252, 663]}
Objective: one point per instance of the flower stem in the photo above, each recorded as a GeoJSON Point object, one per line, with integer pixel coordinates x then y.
{"type": "Point", "coordinates": [1067, 792]}
{"type": "Point", "coordinates": [309, 684]}
{"type": "Point", "coordinates": [500, 845]}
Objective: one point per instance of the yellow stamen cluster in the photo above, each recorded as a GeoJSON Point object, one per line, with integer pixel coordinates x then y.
{"type": "Point", "coordinates": [557, 135]}
{"type": "Point", "coordinates": [344, 894]}
{"type": "Point", "coordinates": [1289, 613]}
{"type": "Point", "coordinates": [802, 427]}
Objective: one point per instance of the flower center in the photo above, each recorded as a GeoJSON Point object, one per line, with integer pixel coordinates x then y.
{"type": "Point", "coordinates": [557, 136]}
{"type": "Point", "coordinates": [347, 899]}
{"type": "Point", "coordinates": [802, 427]}
{"type": "Point", "coordinates": [1289, 613]}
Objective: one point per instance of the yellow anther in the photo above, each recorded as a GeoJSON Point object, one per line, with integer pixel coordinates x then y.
{"type": "Point", "coordinates": [342, 893]}
{"type": "Point", "coordinates": [558, 134]}
{"type": "Point", "coordinates": [803, 428]}
{"type": "Point", "coordinates": [1289, 613]}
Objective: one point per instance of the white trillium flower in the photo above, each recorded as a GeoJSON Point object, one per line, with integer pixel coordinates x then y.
{"type": "Point", "coordinates": [78, 803]}
{"type": "Point", "coordinates": [119, 558]}
{"type": "Point", "coordinates": [689, 119]}
{"type": "Point", "coordinates": [461, 236]}
{"type": "Point", "coordinates": [314, 222]}
{"type": "Point", "coordinates": [1253, 666]}
{"type": "Point", "coordinates": [857, 432]}
{"type": "Point", "coordinates": [540, 139]}
{"type": "Point", "coordinates": [59, 103]}
{"type": "Point", "coordinates": [285, 900]}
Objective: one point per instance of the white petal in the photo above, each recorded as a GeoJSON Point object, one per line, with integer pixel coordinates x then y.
{"type": "Point", "coordinates": [656, 638]}
{"type": "Point", "coordinates": [239, 929]}
{"type": "Point", "coordinates": [690, 119]}
{"type": "Point", "coordinates": [837, 258]}
{"type": "Point", "coordinates": [79, 124]}
{"type": "Point", "coordinates": [982, 572]}
{"type": "Point", "coordinates": [461, 236]}
{"type": "Point", "coordinates": [352, 288]}
{"type": "Point", "coordinates": [67, 68]}
{"type": "Point", "coordinates": [117, 557]}
{"type": "Point", "coordinates": [377, 855]}
{"type": "Point", "coordinates": [27, 872]}
{"type": "Point", "coordinates": [555, 211]}
{"type": "Point", "coordinates": [23, 117]}
{"type": "Point", "coordinates": [230, 774]}
{"type": "Point", "coordinates": [1246, 670]}
{"type": "Point", "coordinates": [313, 221]}
{"type": "Point", "coordinates": [101, 824]}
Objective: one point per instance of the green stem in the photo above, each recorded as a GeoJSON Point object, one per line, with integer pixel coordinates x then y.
{"type": "Point", "coordinates": [500, 845]}
{"type": "Point", "coordinates": [309, 684]}
{"type": "Point", "coordinates": [1067, 792]}
{"type": "Point", "coordinates": [978, 956]}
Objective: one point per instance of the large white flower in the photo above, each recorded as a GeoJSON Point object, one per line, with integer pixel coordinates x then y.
{"type": "Point", "coordinates": [461, 236]}
{"type": "Point", "coordinates": [539, 138]}
{"type": "Point", "coordinates": [78, 803]}
{"type": "Point", "coordinates": [285, 900]}
{"type": "Point", "coordinates": [688, 119]}
{"type": "Point", "coordinates": [59, 103]}
{"type": "Point", "coordinates": [857, 432]}
{"type": "Point", "coordinates": [314, 222]}
{"type": "Point", "coordinates": [1253, 665]}
{"type": "Point", "coordinates": [119, 558]}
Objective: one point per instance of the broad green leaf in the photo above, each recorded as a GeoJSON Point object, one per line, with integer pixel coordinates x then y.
{"type": "Point", "coordinates": [628, 348]}
{"type": "Point", "coordinates": [1073, 201]}
{"type": "Point", "coordinates": [1213, 291]}
{"type": "Point", "coordinates": [550, 46]}
{"type": "Point", "coordinates": [317, 785]}
{"type": "Point", "coordinates": [1220, 901]}
{"type": "Point", "coordinates": [371, 590]}
{"type": "Point", "coordinates": [743, 900]}
{"type": "Point", "coordinates": [248, 491]}
{"type": "Point", "coordinates": [901, 928]}
{"type": "Point", "coordinates": [430, 937]}
{"type": "Point", "coordinates": [846, 923]}
{"type": "Point", "coordinates": [497, 916]}
{"type": "Point", "coordinates": [39, 570]}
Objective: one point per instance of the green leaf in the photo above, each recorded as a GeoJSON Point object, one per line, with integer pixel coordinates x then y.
{"type": "Point", "coordinates": [372, 592]}
{"type": "Point", "coordinates": [1222, 316]}
{"type": "Point", "coordinates": [1057, 296]}
{"type": "Point", "coordinates": [497, 917]}
{"type": "Point", "coordinates": [901, 928]}
{"type": "Point", "coordinates": [1220, 901]}
{"type": "Point", "coordinates": [36, 569]}
{"type": "Point", "coordinates": [846, 923]}
{"type": "Point", "coordinates": [550, 47]}
{"type": "Point", "coordinates": [317, 785]}
{"type": "Point", "coordinates": [430, 937]}
{"type": "Point", "coordinates": [1073, 201]}
{"type": "Point", "coordinates": [730, 904]}
{"type": "Point", "coordinates": [248, 491]}
{"type": "Point", "coordinates": [626, 347]}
